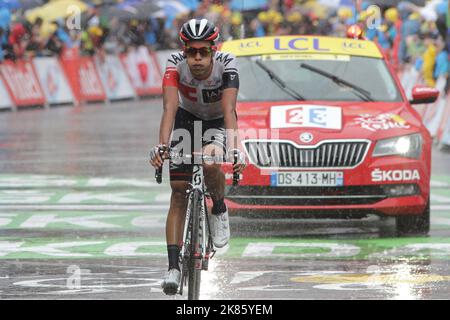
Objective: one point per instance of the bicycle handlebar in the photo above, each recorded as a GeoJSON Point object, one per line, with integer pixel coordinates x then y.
{"type": "Point", "coordinates": [158, 172]}
{"type": "Point", "coordinates": [161, 151]}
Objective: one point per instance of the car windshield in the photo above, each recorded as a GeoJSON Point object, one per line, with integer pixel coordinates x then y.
{"type": "Point", "coordinates": [370, 74]}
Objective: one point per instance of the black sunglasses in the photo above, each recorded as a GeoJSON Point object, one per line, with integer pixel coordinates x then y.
{"type": "Point", "coordinates": [192, 52]}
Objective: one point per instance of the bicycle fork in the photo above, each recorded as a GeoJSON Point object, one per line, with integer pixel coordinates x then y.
{"type": "Point", "coordinates": [205, 251]}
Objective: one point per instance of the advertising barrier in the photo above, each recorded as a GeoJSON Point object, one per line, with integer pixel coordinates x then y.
{"type": "Point", "coordinates": [443, 133]}
{"type": "Point", "coordinates": [114, 78]}
{"type": "Point", "coordinates": [75, 78]}
{"type": "Point", "coordinates": [70, 63]}
{"type": "Point", "coordinates": [91, 88]}
{"type": "Point", "coordinates": [162, 57]}
{"type": "Point", "coordinates": [434, 112]}
{"type": "Point", "coordinates": [5, 100]}
{"type": "Point", "coordinates": [22, 83]}
{"type": "Point", "coordinates": [143, 71]}
{"type": "Point", "coordinates": [435, 116]}
{"type": "Point", "coordinates": [53, 80]}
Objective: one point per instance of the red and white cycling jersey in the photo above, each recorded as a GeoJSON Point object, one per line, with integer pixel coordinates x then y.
{"type": "Point", "coordinates": [202, 98]}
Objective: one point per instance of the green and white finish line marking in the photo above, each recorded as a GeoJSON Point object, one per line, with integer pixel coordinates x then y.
{"type": "Point", "coordinates": [41, 215]}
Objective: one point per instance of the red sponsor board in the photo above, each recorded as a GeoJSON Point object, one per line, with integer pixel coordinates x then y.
{"type": "Point", "coordinates": [143, 70]}
{"type": "Point", "coordinates": [90, 84]}
{"type": "Point", "coordinates": [82, 76]}
{"type": "Point", "coordinates": [70, 64]}
{"type": "Point", "coordinates": [22, 83]}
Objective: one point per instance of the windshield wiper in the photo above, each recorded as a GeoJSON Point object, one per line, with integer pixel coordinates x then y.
{"type": "Point", "coordinates": [366, 96]}
{"type": "Point", "coordinates": [279, 82]}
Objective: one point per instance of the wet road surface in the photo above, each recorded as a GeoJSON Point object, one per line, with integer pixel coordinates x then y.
{"type": "Point", "coordinates": [82, 218]}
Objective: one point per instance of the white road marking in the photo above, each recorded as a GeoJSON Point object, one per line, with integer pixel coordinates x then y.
{"type": "Point", "coordinates": [440, 221]}
{"type": "Point", "coordinates": [435, 183]}
{"type": "Point", "coordinates": [79, 197]}
{"type": "Point", "coordinates": [244, 276]}
{"type": "Point", "coordinates": [43, 220]}
{"type": "Point", "coordinates": [115, 207]}
{"type": "Point", "coordinates": [439, 198]}
{"type": "Point", "coordinates": [163, 198]}
{"type": "Point", "coordinates": [6, 218]}
{"type": "Point", "coordinates": [128, 249]}
{"type": "Point", "coordinates": [265, 249]}
{"type": "Point", "coordinates": [50, 249]}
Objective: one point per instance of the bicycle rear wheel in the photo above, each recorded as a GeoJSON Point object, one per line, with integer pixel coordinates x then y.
{"type": "Point", "coordinates": [195, 262]}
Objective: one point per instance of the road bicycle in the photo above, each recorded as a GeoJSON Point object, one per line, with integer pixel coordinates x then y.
{"type": "Point", "coordinates": [197, 247]}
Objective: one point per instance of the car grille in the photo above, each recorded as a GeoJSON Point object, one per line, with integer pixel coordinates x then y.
{"type": "Point", "coordinates": [308, 196]}
{"type": "Point", "coordinates": [284, 154]}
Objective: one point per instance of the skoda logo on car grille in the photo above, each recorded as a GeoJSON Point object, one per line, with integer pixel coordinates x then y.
{"type": "Point", "coordinates": [306, 137]}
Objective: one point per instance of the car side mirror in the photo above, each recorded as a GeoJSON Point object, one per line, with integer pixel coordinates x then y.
{"type": "Point", "coordinates": [423, 94]}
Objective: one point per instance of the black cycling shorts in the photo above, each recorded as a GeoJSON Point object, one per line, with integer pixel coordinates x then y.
{"type": "Point", "coordinates": [186, 130]}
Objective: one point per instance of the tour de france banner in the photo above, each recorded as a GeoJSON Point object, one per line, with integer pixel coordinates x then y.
{"type": "Point", "coordinates": [143, 71]}
{"type": "Point", "coordinates": [22, 83]}
{"type": "Point", "coordinates": [53, 80]}
{"type": "Point", "coordinates": [114, 78]}
{"type": "Point", "coordinates": [91, 88]}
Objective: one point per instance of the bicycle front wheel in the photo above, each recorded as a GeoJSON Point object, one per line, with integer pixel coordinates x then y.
{"type": "Point", "coordinates": [195, 261]}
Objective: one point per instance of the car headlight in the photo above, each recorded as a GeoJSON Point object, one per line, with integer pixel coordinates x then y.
{"type": "Point", "coordinates": [406, 146]}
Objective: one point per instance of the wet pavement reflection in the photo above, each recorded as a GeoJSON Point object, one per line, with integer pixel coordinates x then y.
{"type": "Point", "coordinates": [81, 217]}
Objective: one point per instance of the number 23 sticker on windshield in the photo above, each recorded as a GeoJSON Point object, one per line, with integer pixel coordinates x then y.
{"type": "Point", "coordinates": [298, 116]}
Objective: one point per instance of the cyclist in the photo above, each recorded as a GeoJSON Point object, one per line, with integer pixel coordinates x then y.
{"type": "Point", "coordinates": [200, 86]}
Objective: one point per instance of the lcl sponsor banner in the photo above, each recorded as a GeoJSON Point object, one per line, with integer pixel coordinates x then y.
{"type": "Point", "coordinates": [143, 71]}
{"type": "Point", "coordinates": [5, 100]}
{"type": "Point", "coordinates": [91, 88]}
{"type": "Point", "coordinates": [22, 83]}
{"type": "Point", "coordinates": [53, 80]}
{"type": "Point", "coordinates": [114, 78]}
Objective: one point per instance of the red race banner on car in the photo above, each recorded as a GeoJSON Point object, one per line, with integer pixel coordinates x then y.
{"type": "Point", "coordinates": [22, 83]}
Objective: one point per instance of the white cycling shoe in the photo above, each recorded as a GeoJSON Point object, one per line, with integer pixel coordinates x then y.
{"type": "Point", "coordinates": [220, 229]}
{"type": "Point", "coordinates": [171, 281]}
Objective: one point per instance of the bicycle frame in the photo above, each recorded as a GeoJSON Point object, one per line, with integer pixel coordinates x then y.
{"type": "Point", "coordinates": [202, 253]}
{"type": "Point", "coordinates": [196, 194]}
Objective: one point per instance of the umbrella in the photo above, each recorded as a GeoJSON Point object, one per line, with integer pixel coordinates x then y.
{"type": "Point", "coordinates": [192, 5]}
{"type": "Point", "coordinates": [56, 9]}
{"type": "Point", "coordinates": [147, 6]}
{"type": "Point", "coordinates": [170, 9]}
{"type": "Point", "coordinates": [10, 4]}
{"type": "Point", "coordinates": [246, 5]}
{"type": "Point", "coordinates": [394, 3]}
{"type": "Point", "coordinates": [101, 2]}
{"type": "Point", "coordinates": [30, 4]}
{"type": "Point", "coordinates": [124, 13]}
{"type": "Point", "coordinates": [5, 18]}
{"type": "Point", "coordinates": [132, 9]}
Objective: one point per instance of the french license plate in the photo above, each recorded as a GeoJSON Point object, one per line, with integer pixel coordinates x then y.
{"type": "Point", "coordinates": [307, 179]}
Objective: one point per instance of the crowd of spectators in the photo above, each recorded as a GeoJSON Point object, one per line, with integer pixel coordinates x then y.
{"type": "Point", "coordinates": [409, 33]}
